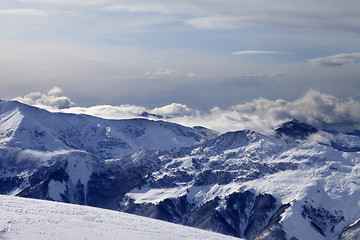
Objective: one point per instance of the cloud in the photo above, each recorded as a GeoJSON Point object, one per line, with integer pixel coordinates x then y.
{"type": "Point", "coordinates": [167, 72]}
{"type": "Point", "coordinates": [97, 59]}
{"type": "Point", "coordinates": [129, 111]}
{"type": "Point", "coordinates": [23, 11]}
{"type": "Point", "coordinates": [252, 52]}
{"type": "Point", "coordinates": [172, 110]}
{"type": "Point", "coordinates": [191, 75]}
{"type": "Point", "coordinates": [318, 109]}
{"type": "Point", "coordinates": [228, 14]}
{"type": "Point", "coordinates": [29, 159]}
{"type": "Point", "coordinates": [304, 14]}
{"type": "Point", "coordinates": [262, 75]}
{"type": "Point", "coordinates": [335, 60]}
{"type": "Point", "coordinates": [51, 99]}
{"type": "Point", "coordinates": [54, 91]}
{"type": "Point", "coordinates": [215, 22]}
{"type": "Point", "coordinates": [34, 155]}
{"type": "Point", "coordinates": [140, 7]}
{"type": "Point", "coordinates": [325, 110]}
{"type": "Point", "coordinates": [65, 2]}
{"type": "Point", "coordinates": [261, 114]}
{"type": "Point", "coordinates": [161, 73]}
{"type": "Point", "coordinates": [107, 111]}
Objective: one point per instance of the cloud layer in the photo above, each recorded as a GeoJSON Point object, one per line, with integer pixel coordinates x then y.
{"type": "Point", "coordinates": [335, 60]}
{"type": "Point", "coordinates": [155, 52]}
{"type": "Point", "coordinates": [150, 53]}
{"type": "Point", "coordinates": [262, 115]}
{"type": "Point", "coordinates": [25, 11]}
{"type": "Point", "coordinates": [229, 14]}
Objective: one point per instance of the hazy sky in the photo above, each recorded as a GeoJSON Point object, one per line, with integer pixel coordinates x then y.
{"type": "Point", "coordinates": [202, 53]}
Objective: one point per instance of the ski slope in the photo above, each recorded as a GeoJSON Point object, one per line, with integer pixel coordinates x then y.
{"type": "Point", "coordinates": [31, 219]}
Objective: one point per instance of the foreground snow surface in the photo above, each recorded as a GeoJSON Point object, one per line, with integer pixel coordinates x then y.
{"type": "Point", "coordinates": [30, 219]}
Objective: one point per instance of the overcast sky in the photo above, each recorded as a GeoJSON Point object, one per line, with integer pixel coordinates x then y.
{"type": "Point", "coordinates": [198, 53]}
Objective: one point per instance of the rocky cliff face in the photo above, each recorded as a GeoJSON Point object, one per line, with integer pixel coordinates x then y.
{"type": "Point", "coordinates": [351, 232]}
{"type": "Point", "coordinates": [240, 214]}
{"type": "Point", "coordinates": [300, 183]}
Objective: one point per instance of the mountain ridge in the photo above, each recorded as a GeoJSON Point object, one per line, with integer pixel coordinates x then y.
{"type": "Point", "coordinates": [240, 183]}
{"type": "Point", "coordinates": [71, 129]}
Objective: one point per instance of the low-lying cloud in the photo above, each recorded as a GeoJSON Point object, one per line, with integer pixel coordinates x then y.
{"type": "Point", "coordinates": [49, 99]}
{"type": "Point", "coordinates": [174, 109]}
{"type": "Point", "coordinates": [262, 115]}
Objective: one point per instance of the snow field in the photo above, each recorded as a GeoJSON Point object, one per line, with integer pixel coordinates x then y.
{"type": "Point", "coordinates": [31, 219]}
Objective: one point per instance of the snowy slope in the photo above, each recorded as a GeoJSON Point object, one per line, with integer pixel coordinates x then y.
{"type": "Point", "coordinates": [30, 219]}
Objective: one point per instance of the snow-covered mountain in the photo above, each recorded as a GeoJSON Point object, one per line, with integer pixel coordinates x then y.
{"type": "Point", "coordinates": [299, 183]}
{"type": "Point", "coordinates": [27, 127]}
{"type": "Point", "coordinates": [31, 219]}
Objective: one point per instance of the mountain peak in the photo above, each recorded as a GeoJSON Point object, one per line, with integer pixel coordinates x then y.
{"type": "Point", "coordinates": [147, 115]}
{"type": "Point", "coordinates": [9, 106]}
{"type": "Point", "coordinates": [295, 129]}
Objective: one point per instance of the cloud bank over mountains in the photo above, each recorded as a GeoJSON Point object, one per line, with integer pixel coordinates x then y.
{"type": "Point", "coordinates": [261, 114]}
{"type": "Point", "coordinates": [50, 99]}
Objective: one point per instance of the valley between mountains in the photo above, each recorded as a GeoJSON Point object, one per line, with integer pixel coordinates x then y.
{"type": "Point", "coordinates": [298, 183]}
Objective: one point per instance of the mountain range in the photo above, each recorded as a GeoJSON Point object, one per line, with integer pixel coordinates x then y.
{"type": "Point", "coordinates": [298, 183]}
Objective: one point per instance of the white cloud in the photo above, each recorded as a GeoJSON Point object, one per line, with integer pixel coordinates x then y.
{"type": "Point", "coordinates": [335, 60]}
{"type": "Point", "coordinates": [262, 115]}
{"type": "Point", "coordinates": [51, 99]}
{"type": "Point", "coordinates": [55, 91]}
{"type": "Point", "coordinates": [252, 52]}
{"type": "Point", "coordinates": [262, 75]}
{"type": "Point", "coordinates": [191, 75]}
{"type": "Point", "coordinates": [129, 111]}
{"type": "Point", "coordinates": [107, 111]}
{"type": "Point", "coordinates": [321, 137]}
{"type": "Point", "coordinates": [325, 110]}
{"type": "Point", "coordinates": [75, 2]}
{"type": "Point", "coordinates": [167, 72]}
{"type": "Point", "coordinates": [161, 73]}
{"type": "Point", "coordinates": [97, 59]}
{"type": "Point", "coordinates": [35, 156]}
{"type": "Point", "coordinates": [305, 14]}
{"type": "Point", "coordinates": [172, 109]}
{"type": "Point", "coordinates": [23, 11]}
{"type": "Point", "coordinates": [215, 22]}
{"type": "Point", "coordinates": [142, 7]}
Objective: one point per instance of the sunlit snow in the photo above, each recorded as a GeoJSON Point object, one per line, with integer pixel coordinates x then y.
{"type": "Point", "coordinates": [30, 219]}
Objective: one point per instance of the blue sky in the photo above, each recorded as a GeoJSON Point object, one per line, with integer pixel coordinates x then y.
{"type": "Point", "coordinates": [199, 53]}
